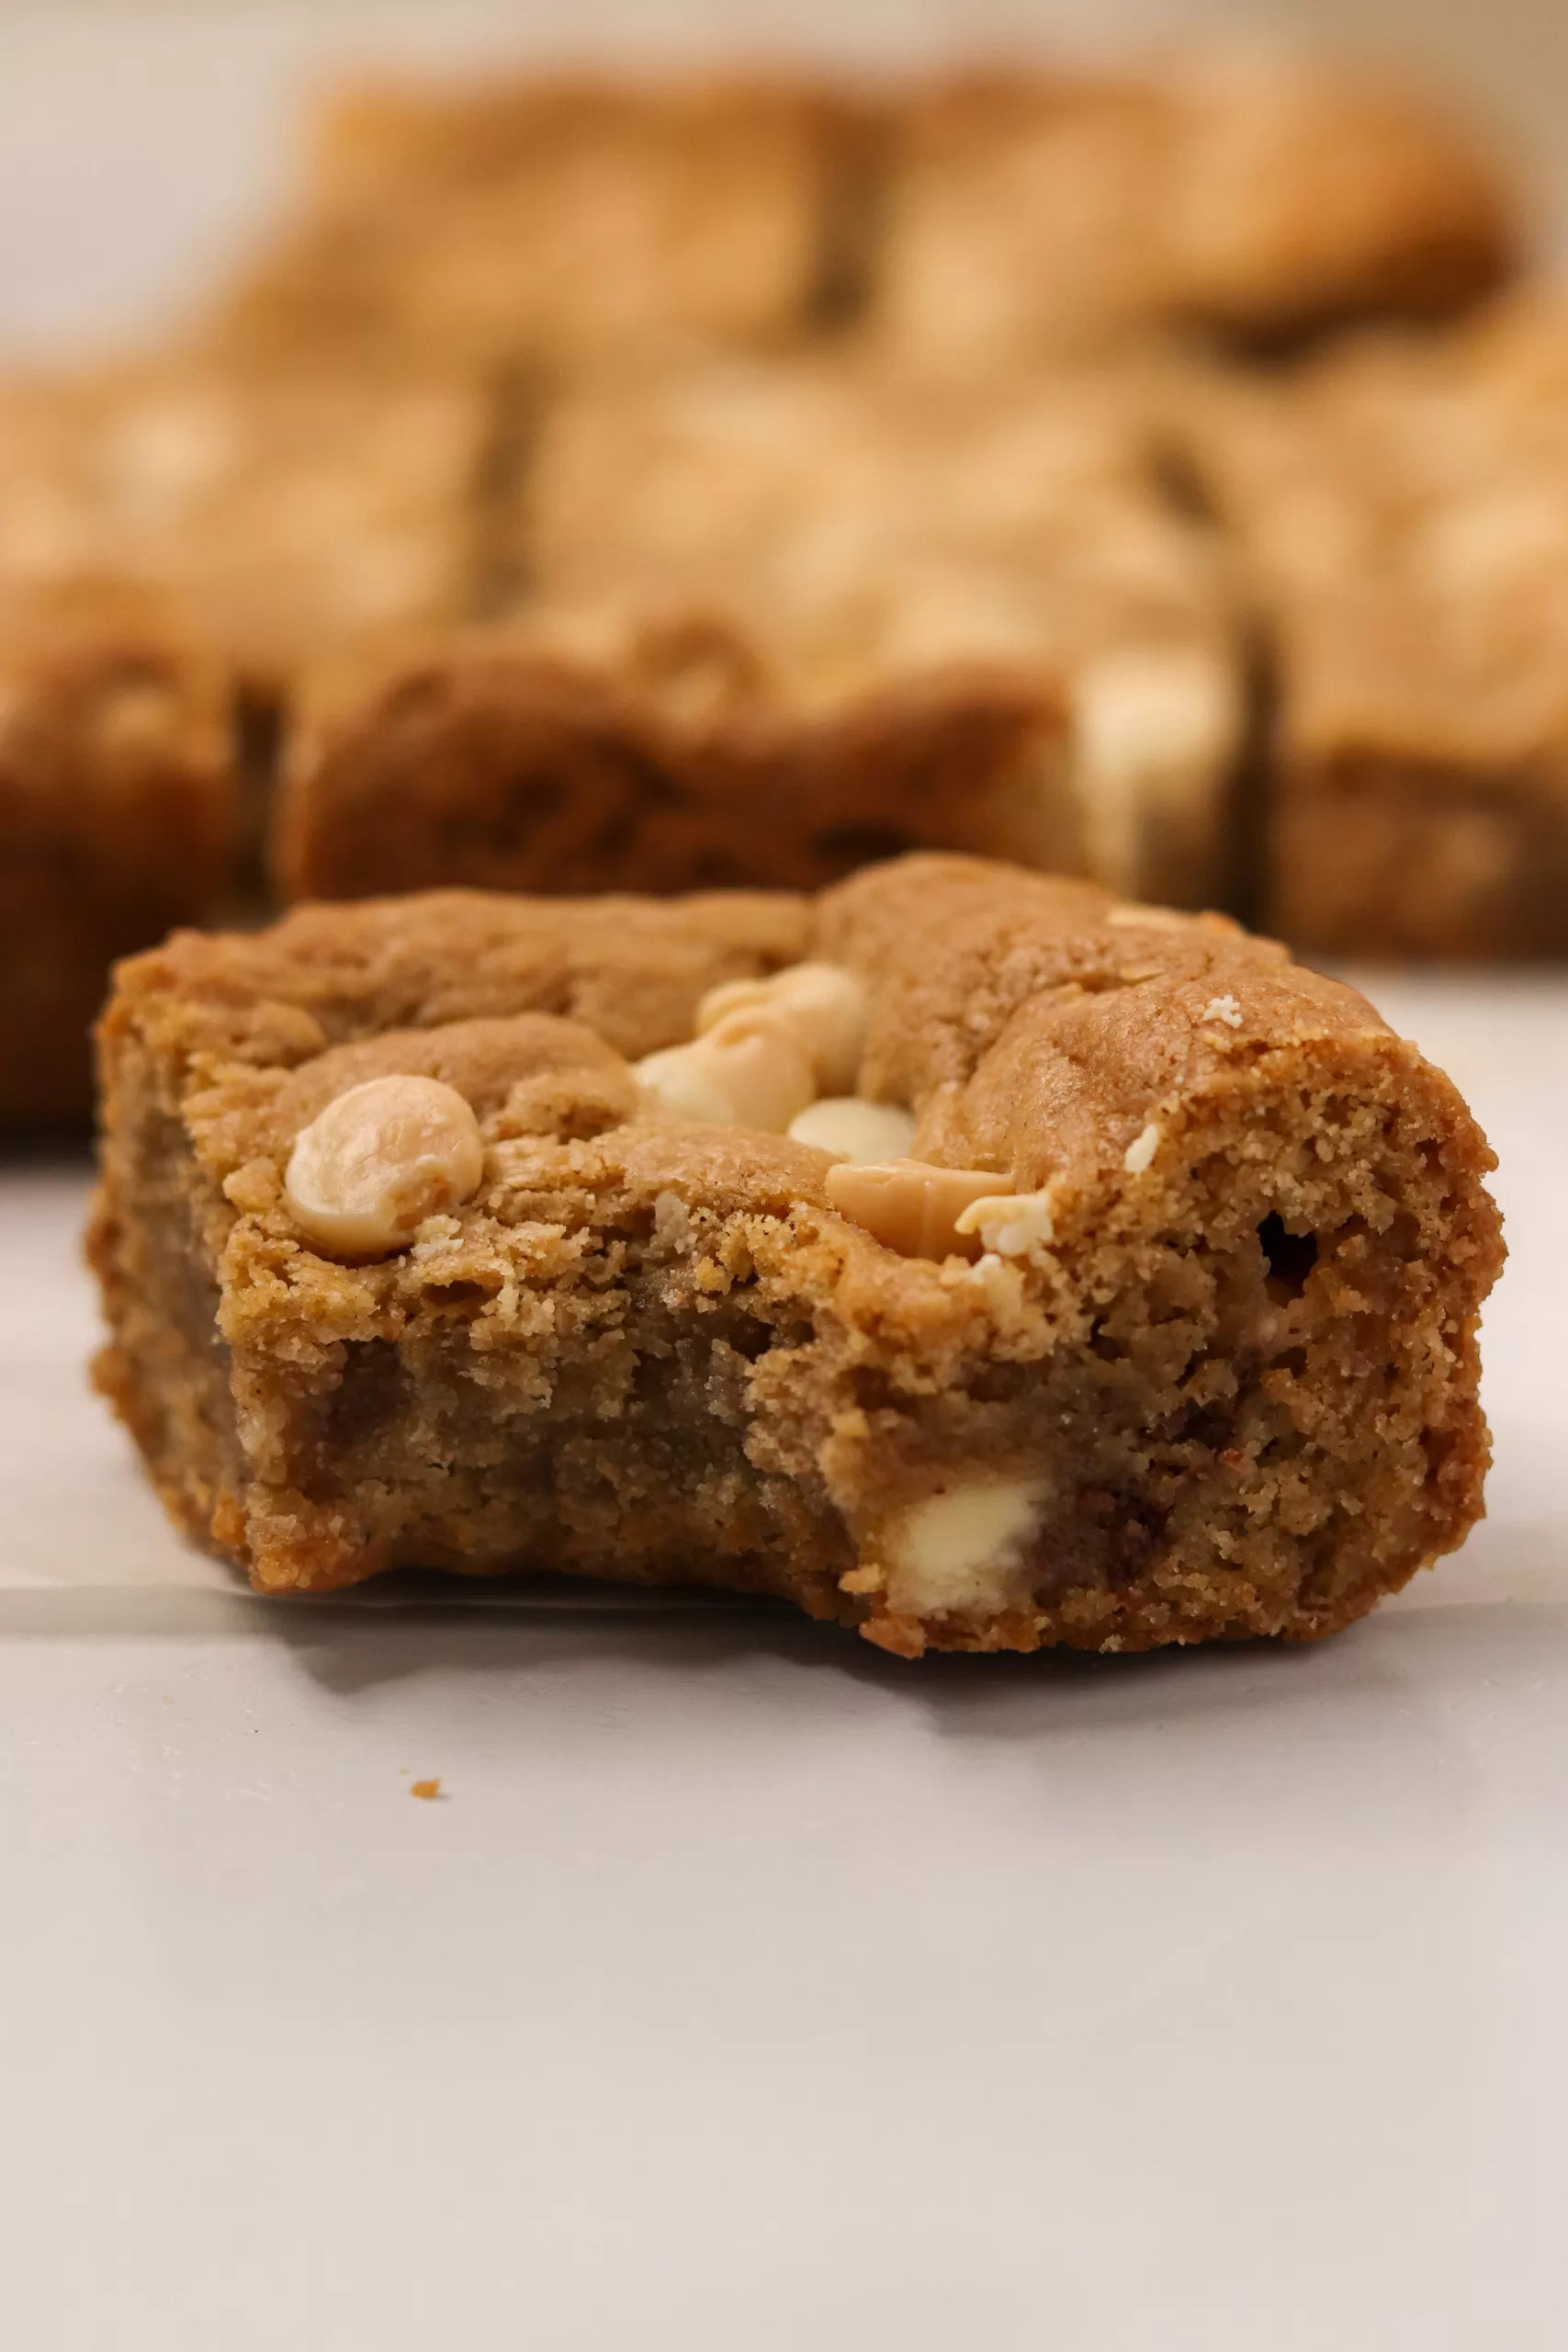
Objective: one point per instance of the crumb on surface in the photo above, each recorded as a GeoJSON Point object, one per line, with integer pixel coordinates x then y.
{"type": "Point", "coordinates": [428, 1790]}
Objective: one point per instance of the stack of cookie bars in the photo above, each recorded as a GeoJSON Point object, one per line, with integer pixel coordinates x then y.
{"type": "Point", "coordinates": [596, 486]}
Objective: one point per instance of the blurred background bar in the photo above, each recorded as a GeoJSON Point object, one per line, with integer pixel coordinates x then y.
{"type": "Point", "coordinates": [140, 140]}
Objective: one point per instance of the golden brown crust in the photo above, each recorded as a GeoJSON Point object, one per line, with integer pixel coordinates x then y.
{"type": "Point", "coordinates": [1222, 1381]}
{"type": "Point", "coordinates": [567, 219]}
{"type": "Point", "coordinates": [632, 969]}
{"type": "Point", "coordinates": [1030, 217]}
{"type": "Point", "coordinates": [980, 219]}
{"type": "Point", "coordinates": [1414, 219]}
{"type": "Point", "coordinates": [284, 509]}
{"type": "Point", "coordinates": [783, 619]}
{"type": "Point", "coordinates": [853, 527]}
{"type": "Point", "coordinates": [117, 820]}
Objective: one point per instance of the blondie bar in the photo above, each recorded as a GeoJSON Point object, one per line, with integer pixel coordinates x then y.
{"type": "Point", "coordinates": [972, 1257]}
{"type": "Point", "coordinates": [581, 221]}
{"type": "Point", "coordinates": [974, 221]}
{"type": "Point", "coordinates": [1258, 200]}
{"type": "Point", "coordinates": [117, 820]}
{"type": "Point", "coordinates": [781, 619]}
{"type": "Point", "coordinates": [1403, 514]}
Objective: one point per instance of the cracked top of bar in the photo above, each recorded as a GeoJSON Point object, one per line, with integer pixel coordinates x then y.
{"type": "Point", "coordinates": [1032, 1024]}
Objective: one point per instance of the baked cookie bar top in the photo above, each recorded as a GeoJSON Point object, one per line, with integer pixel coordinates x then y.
{"type": "Point", "coordinates": [970, 1257]}
{"type": "Point", "coordinates": [1400, 512]}
{"type": "Point", "coordinates": [284, 508]}
{"type": "Point", "coordinates": [974, 221]}
{"type": "Point", "coordinates": [578, 219]}
{"type": "Point", "coordinates": [1258, 199]}
{"type": "Point", "coordinates": [784, 620]}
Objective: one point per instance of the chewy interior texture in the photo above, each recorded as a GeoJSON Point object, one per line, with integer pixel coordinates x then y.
{"type": "Point", "coordinates": [1226, 1386]}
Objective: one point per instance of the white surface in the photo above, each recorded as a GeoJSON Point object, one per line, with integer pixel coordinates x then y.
{"type": "Point", "coordinates": [748, 1991]}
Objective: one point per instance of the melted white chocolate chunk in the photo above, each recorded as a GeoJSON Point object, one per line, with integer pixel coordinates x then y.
{"type": "Point", "coordinates": [383, 1157]}
{"type": "Point", "coordinates": [750, 1070]}
{"type": "Point", "coordinates": [848, 1128]}
{"type": "Point", "coordinates": [962, 1550]}
{"type": "Point", "coordinates": [825, 1005]}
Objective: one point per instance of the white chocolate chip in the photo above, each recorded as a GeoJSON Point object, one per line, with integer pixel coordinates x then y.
{"type": "Point", "coordinates": [962, 1549]}
{"type": "Point", "coordinates": [1154, 729]}
{"type": "Point", "coordinates": [1222, 1008]}
{"type": "Point", "coordinates": [683, 1086]}
{"type": "Point", "coordinates": [848, 1128]}
{"type": "Point", "coordinates": [1013, 1225]}
{"type": "Point", "coordinates": [750, 1070]}
{"type": "Point", "coordinates": [365, 1173]}
{"type": "Point", "coordinates": [760, 1062]}
{"type": "Point", "coordinates": [1139, 1152]}
{"type": "Point", "coordinates": [731, 995]}
{"type": "Point", "coordinates": [910, 1206]}
{"type": "Point", "coordinates": [823, 1003]}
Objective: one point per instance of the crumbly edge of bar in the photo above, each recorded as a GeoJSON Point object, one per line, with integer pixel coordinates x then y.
{"type": "Point", "coordinates": [645, 1354]}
